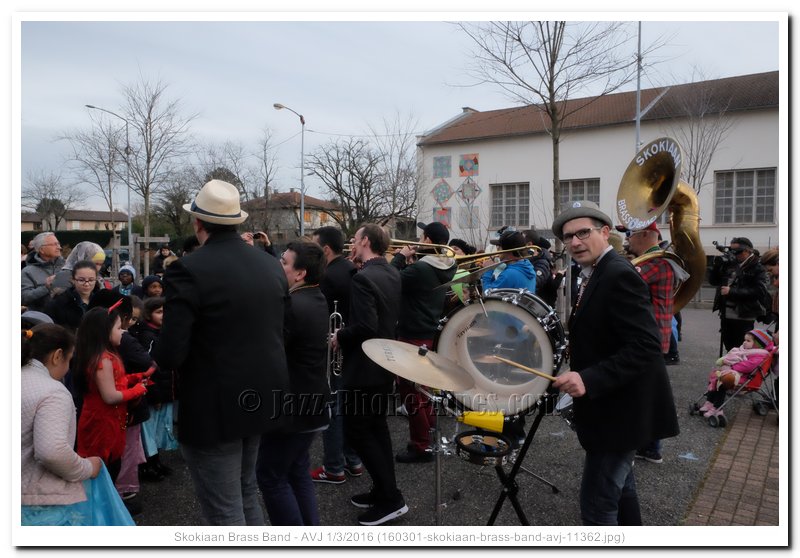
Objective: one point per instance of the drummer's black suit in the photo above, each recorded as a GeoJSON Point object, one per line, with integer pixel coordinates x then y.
{"type": "Point", "coordinates": [374, 307]}
{"type": "Point", "coordinates": [615, 346]}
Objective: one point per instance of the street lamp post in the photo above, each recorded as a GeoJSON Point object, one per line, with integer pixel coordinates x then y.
{"type": "Point", "coordinates": [127, 174]}
{"type": "Point", "coordinates": [278, 106]}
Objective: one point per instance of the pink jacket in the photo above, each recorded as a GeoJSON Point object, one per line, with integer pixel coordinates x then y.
{"type": "Point", "coordinates": [745, 361]}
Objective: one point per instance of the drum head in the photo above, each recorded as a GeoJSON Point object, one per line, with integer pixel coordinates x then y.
{"type": "Point", "coordinates": [509, 330]}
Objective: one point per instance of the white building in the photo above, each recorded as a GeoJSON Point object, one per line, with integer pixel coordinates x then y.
{"type": "Point", "coordinates": [504, 157]}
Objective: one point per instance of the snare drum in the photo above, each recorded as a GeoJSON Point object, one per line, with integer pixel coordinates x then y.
{"type": "Point", "coordinates": [509, 323]}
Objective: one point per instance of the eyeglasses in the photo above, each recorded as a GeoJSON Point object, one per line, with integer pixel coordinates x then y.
{"type": "Point", "coordinates": [582, 234]}
{"type": "Point", "coordinates": [58, 245]}
{"type": "Point", "coordinates": [83, 281]}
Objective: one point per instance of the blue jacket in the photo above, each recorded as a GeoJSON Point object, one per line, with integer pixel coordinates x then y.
{"type": "Point", "coordinates": [516, 275]}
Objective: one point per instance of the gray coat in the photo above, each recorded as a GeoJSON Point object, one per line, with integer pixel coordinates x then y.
{"type": "Point", "coordinates": [35, 293]}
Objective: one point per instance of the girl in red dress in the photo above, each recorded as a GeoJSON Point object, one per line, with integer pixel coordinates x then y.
{"type": "Point", "coordinates": [101, 381]}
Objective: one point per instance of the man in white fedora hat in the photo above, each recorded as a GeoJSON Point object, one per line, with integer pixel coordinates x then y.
{"type": "Point", "coordinates": [223, 334]}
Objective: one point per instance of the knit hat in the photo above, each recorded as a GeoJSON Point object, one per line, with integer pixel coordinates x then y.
{"type": "Point", "coordinates": [129, 269]}
{"type": "Point", "coordinates": [149, 280]}
{"type": "Point", "coordinates": [761, 337]}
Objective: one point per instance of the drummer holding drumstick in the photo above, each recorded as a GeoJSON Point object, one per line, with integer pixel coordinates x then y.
{"type": "Point", "coordinates": [617, 377]}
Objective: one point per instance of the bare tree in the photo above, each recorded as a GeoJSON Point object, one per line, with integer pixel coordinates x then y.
{"type": "Point", "coordinates": [547, 63]}
{"type": "Point", "coordinates": [47, 194]}
{"type": "Point", "coordinates": [700, 125]}
{"type": "Point", "coordinates": [161, 140]}
{"type": "Point", "coordinates": [349, 170]}
{"type": "Point", "coordinates": [180, 190]}
{"type": "Point", "coordinates": [98, 161]}
{"type": "Point", "coordinates": [265, 173]}
{"type": "Point", "coordinates": [395, 142]}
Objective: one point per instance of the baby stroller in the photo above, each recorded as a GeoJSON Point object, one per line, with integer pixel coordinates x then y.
{"type": "Point", "coordinates": [758, 384]}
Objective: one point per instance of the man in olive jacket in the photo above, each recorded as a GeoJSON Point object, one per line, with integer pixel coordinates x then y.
{"type": "Point", "coordinates": [617, 376]}
{"type": "Point", "coordinates": [223, 334]}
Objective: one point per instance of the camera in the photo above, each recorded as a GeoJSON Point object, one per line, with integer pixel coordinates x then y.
{"type": "Point", "coordinates": [728, 255]}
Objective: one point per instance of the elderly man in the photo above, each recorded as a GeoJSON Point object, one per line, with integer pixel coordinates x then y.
{"type": "Point", "coordinates": [742, 294]}
{"type": "Point", "coordinates": [38, 275]}
{"type": "Point", "coordinates": [617, 377]}
{"type": "Point", "coordinates": [223, 333]}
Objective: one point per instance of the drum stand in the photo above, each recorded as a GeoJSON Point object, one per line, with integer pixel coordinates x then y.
{"type": "Point", "coordinates": [510, 486]}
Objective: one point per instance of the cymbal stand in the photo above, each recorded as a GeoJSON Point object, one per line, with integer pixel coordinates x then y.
{"type": "Point", "coordinates": [438, 449]}
{"type": "Point", "coordinates": [510, 486]}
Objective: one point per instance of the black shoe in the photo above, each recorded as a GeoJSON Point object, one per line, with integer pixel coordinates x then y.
{"type": "Point", "coordinates": [162, 469]}
{"type": "Point", "coordinates": [414, 456]}
{"type": "Point", "coordinates": [649, 455]}
{"type": "Point", "coordinates": [672, 361]}
{"type": "Point", "coordinates": [365, 500]}
{"type": "Point", "coordinates": [149, 473]}
{"type": "Point", "coordinates": [132, 502]}
{"type": "Point", "coordinates": [381, 513]}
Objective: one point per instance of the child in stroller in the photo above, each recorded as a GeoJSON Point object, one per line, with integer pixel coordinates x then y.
{"type": "Point", "coordinates": [735, 368]}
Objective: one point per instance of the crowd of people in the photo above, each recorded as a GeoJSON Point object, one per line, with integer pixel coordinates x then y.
{"type": "Point", "coordinates": [223, 355]}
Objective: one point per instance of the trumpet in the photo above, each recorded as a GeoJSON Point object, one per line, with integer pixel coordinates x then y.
{"type": "Point", "coordinates": [333, 363]}
{"type": "Point", "coordinates": [441, 250]}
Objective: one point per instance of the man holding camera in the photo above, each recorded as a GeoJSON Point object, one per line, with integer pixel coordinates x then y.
{"type": "Point", "coordinates": [742, 283]}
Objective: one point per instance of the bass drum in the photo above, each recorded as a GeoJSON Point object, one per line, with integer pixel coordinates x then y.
{"type": "Point", "coordinates": [513, 324]}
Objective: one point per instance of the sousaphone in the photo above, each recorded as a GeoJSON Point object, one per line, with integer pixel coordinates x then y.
{"type": "Point", "coordinates": [651, 185]}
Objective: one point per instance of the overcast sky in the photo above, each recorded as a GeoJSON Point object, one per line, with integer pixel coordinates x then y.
{"type": "Point", "coordinates": [343, 76]}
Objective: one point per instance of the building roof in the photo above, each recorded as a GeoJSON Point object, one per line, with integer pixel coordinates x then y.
{"type": "Point", "coordinates": [78, 215]}
{"type": "Point", "coordinates": [749, 92]}
{"type": "Point", "coordinates": [286, 200]}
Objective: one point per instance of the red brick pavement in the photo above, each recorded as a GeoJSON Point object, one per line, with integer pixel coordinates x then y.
{"type": "Point", "coordinates": [741, 485]}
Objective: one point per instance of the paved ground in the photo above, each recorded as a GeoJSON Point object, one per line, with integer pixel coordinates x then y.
{"type": "Point", "coordinates": [689, 488]}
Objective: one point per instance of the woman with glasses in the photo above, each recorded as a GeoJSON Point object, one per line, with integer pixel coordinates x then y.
{"type": "Point", "coordinates": [83, 251]}
{"type": "Point", "coordinates": [67, 308]}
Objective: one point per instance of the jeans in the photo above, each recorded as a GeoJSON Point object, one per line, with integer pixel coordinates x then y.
{"type": "Point", "coordinates": [282, 473]}
{"type": "Point", "coordinates": [608, 489]}
{"type": "Point", "coordinates": [336, 453]}
{"type": "Point", "coordinates": [224, 478]}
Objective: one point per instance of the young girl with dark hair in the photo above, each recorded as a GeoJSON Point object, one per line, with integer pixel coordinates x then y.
{"type": "Point", "coordinates": [59, 487]}
{"type": "Point", "coordinates": [101, 380]}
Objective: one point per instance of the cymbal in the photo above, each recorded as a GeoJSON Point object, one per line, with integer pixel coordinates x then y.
{"type": "Point", "coordinates": [429, 369]}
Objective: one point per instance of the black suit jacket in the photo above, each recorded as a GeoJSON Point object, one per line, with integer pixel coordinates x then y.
{"type": "Point", "coordinates": [615, 346]}
{"type": "Point", "coordinates": [374, 307]}
{"type": "Point", "coordinates": [335, 285]}
{"type": "Point", "coordinates": [223, 335]}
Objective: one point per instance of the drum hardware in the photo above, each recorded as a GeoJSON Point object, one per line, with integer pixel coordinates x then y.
{"type": "Point", "coordinates": [525, 368]}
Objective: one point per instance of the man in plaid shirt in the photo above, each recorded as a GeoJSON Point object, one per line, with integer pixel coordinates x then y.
{"type": "Point", "coordinates": [660, 278]}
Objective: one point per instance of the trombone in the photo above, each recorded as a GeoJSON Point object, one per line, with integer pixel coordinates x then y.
{"type": "Point", "coordinates": [478, 258]}
{"type": "Point", "coordinates": [441, 250]}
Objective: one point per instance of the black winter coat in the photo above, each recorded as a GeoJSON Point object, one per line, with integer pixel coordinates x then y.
{"type": "Point", "coordinates": [615, 346]}
{"type": "Point", "coordinates": [423, 300]}
{"type": "Point", "coordinates": [748, 298]}
{"type": "Point", "coordinates": [306, 338]}
{"type": "Point", "coordinates": [66, 309]}
{"type": "Point", "coordinates": [223, 335]}
{"type": "Point", "coordinates": [162, 386]}
{"type": "Point", "coordinates": [374, 308]}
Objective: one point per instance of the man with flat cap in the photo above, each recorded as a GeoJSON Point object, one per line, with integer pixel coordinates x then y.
{"type": "Point", "coordinates": [223, 333]}
{"type": "Point", "coordinates": [617, 377]}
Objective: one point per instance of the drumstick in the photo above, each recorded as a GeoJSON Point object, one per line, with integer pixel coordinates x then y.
{"type": "Point", "coordinates": [525, 368]}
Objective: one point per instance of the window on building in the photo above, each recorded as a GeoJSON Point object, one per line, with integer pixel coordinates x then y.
{"type": "Point", "coordinates": [323, 218]}
{"type": "Point", "coordinates": [307, 217]}
{"type": "Point", "coordinates": [582, 189]}
{"type": "Point", "coordinates": [76, 225]}
{"type": "Point", "coordinates": [744, 196]}
{"type": "Point", "coordinates": [510, 205]}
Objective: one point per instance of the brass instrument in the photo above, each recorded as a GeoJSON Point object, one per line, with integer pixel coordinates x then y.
{"type": "Point", "coordinates": [441, 250]}
{"type": "Point", "coordinates": [476, 259]}
{"type": "Point", "coordinates": [333, 363]}
{"type": "Point", "coordinates": [651, 184]}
